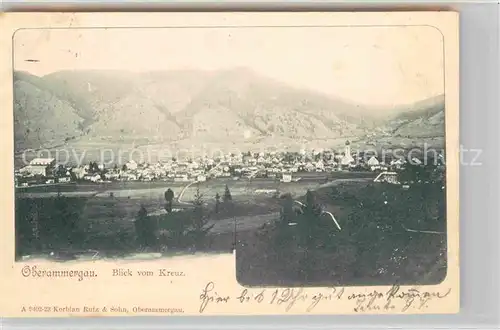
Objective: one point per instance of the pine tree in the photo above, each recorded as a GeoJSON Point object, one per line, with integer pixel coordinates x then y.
{"type": "Point", "coordinates": [169, 197]}
{"type": "Point", "coordinates": [145, 228]}
{"type": "Point", "coordinates": [227, 195]}
{"type": "Point", "coordinates": [198, 230]}
{"type": "Point", "coordinates": [312, 209]}
{"type": "Point", "coordinates": [283, 234]}
{"type": "Point", "coordinates": [63, 222]}
{"type": "Point", "coordinates": [334, 193]}
{"type": "Point", "coordinates": [217, 202]}
{"type": "Point", "coordinates": [199, 217]}
{"type": "Point", "coordinates": [141, 226]}
{"type": "Point", "coordinates": [175, 224]}
{"type": "Point", "coordinates": [287, 212]}
{"type": "Point", "coordinates": [279, 239]}
{"type": "Point", "coordinates": [311, 233]}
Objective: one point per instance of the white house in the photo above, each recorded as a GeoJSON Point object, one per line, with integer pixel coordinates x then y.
{"type": "Point", "coordinates": [96, 177]}
{"type": "Point", "coordinates": [64, 179]}
{"type": "Point", "coordinates": [194, 165]}
{"type": "Point", "coordinates": [320, 166]}
{"type": "Point", "coordinates": [39, 166]}
{"type": "Point", "coordinates": [416, 161]}
{"type": "Point", "coordinates": [31, 170]}
{"type": "Point", "coordinates": [181, 177]}
{"type": "Point", "coordinates": [441, 159]}
{"type": "Point", "coordinates": [111, 176]}
{"type": "Point", "coordinates": [130, 176]}
{"type": "Point", "coordinates": [79, 172]}
{"type": "Point", "coordinates": [43, 162]}
{"type": "Point", "coordinates": [389, 177]}
{"type": "Point", "coordinates": [346, 160]}
{"type": "Point", "coordinates": [131, 165]}
{"type": "Point", "coordinates": [397, 162]}
{"type": "Point", "coordinates": [373, 161]}
{"type": "Point", "coordinates": [287, 177]}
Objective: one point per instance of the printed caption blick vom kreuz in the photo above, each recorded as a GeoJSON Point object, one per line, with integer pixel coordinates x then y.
{"type": "Point", "coordinates": [161, 272]}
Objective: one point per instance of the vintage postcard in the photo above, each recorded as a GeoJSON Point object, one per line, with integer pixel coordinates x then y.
{"type": "Point", "coordinates": [229, 163]}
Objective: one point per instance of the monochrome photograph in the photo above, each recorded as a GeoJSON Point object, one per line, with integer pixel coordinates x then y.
{"type": "Point", "coordinates": [316, 155]}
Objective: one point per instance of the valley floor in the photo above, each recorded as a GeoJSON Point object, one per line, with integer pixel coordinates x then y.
{"type": "Point", "coordinates": [386, 256]}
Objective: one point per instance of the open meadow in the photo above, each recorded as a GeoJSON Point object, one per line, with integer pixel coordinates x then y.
{"type": "Point", "coordinates": [107, 208]}
{"type": "Point", "coordinates": [388, 234]}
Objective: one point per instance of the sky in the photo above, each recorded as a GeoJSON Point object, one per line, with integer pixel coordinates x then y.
{"type": "Point", "coordinates": [378, 66]}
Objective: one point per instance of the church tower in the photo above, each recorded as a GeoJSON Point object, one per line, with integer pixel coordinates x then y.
{"type": "Point", "coordinates": [347, 148]}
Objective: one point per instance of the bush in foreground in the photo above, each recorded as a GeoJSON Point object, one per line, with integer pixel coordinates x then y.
{"type": "Point", "coordinates": [373, 246]}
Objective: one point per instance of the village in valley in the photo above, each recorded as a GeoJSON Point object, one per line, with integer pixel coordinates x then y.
{"type": "Point", "coordinates": [283, 166]}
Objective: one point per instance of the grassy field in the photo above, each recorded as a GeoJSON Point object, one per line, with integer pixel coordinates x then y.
{"type": "Point", "coordinates": [115, 208]}
{"type": "Point", "coordinates": [133, 188]}
{"type": "Point", "coordinates": [372, 248]}
{"type": "Point", "coordinates": [106, 222]}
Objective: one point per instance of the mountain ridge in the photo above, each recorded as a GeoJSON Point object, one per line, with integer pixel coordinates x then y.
{"type": "Point", "coordinates": [168, 106]}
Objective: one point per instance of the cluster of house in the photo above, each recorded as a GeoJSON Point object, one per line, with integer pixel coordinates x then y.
{"type": "Point", "coordinates": [270, 164]}
{"type": "Point", "coordinates": [42, 171]}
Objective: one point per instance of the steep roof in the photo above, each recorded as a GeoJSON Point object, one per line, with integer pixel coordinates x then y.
{"type": "Point", "coordinates": [42, 161]}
